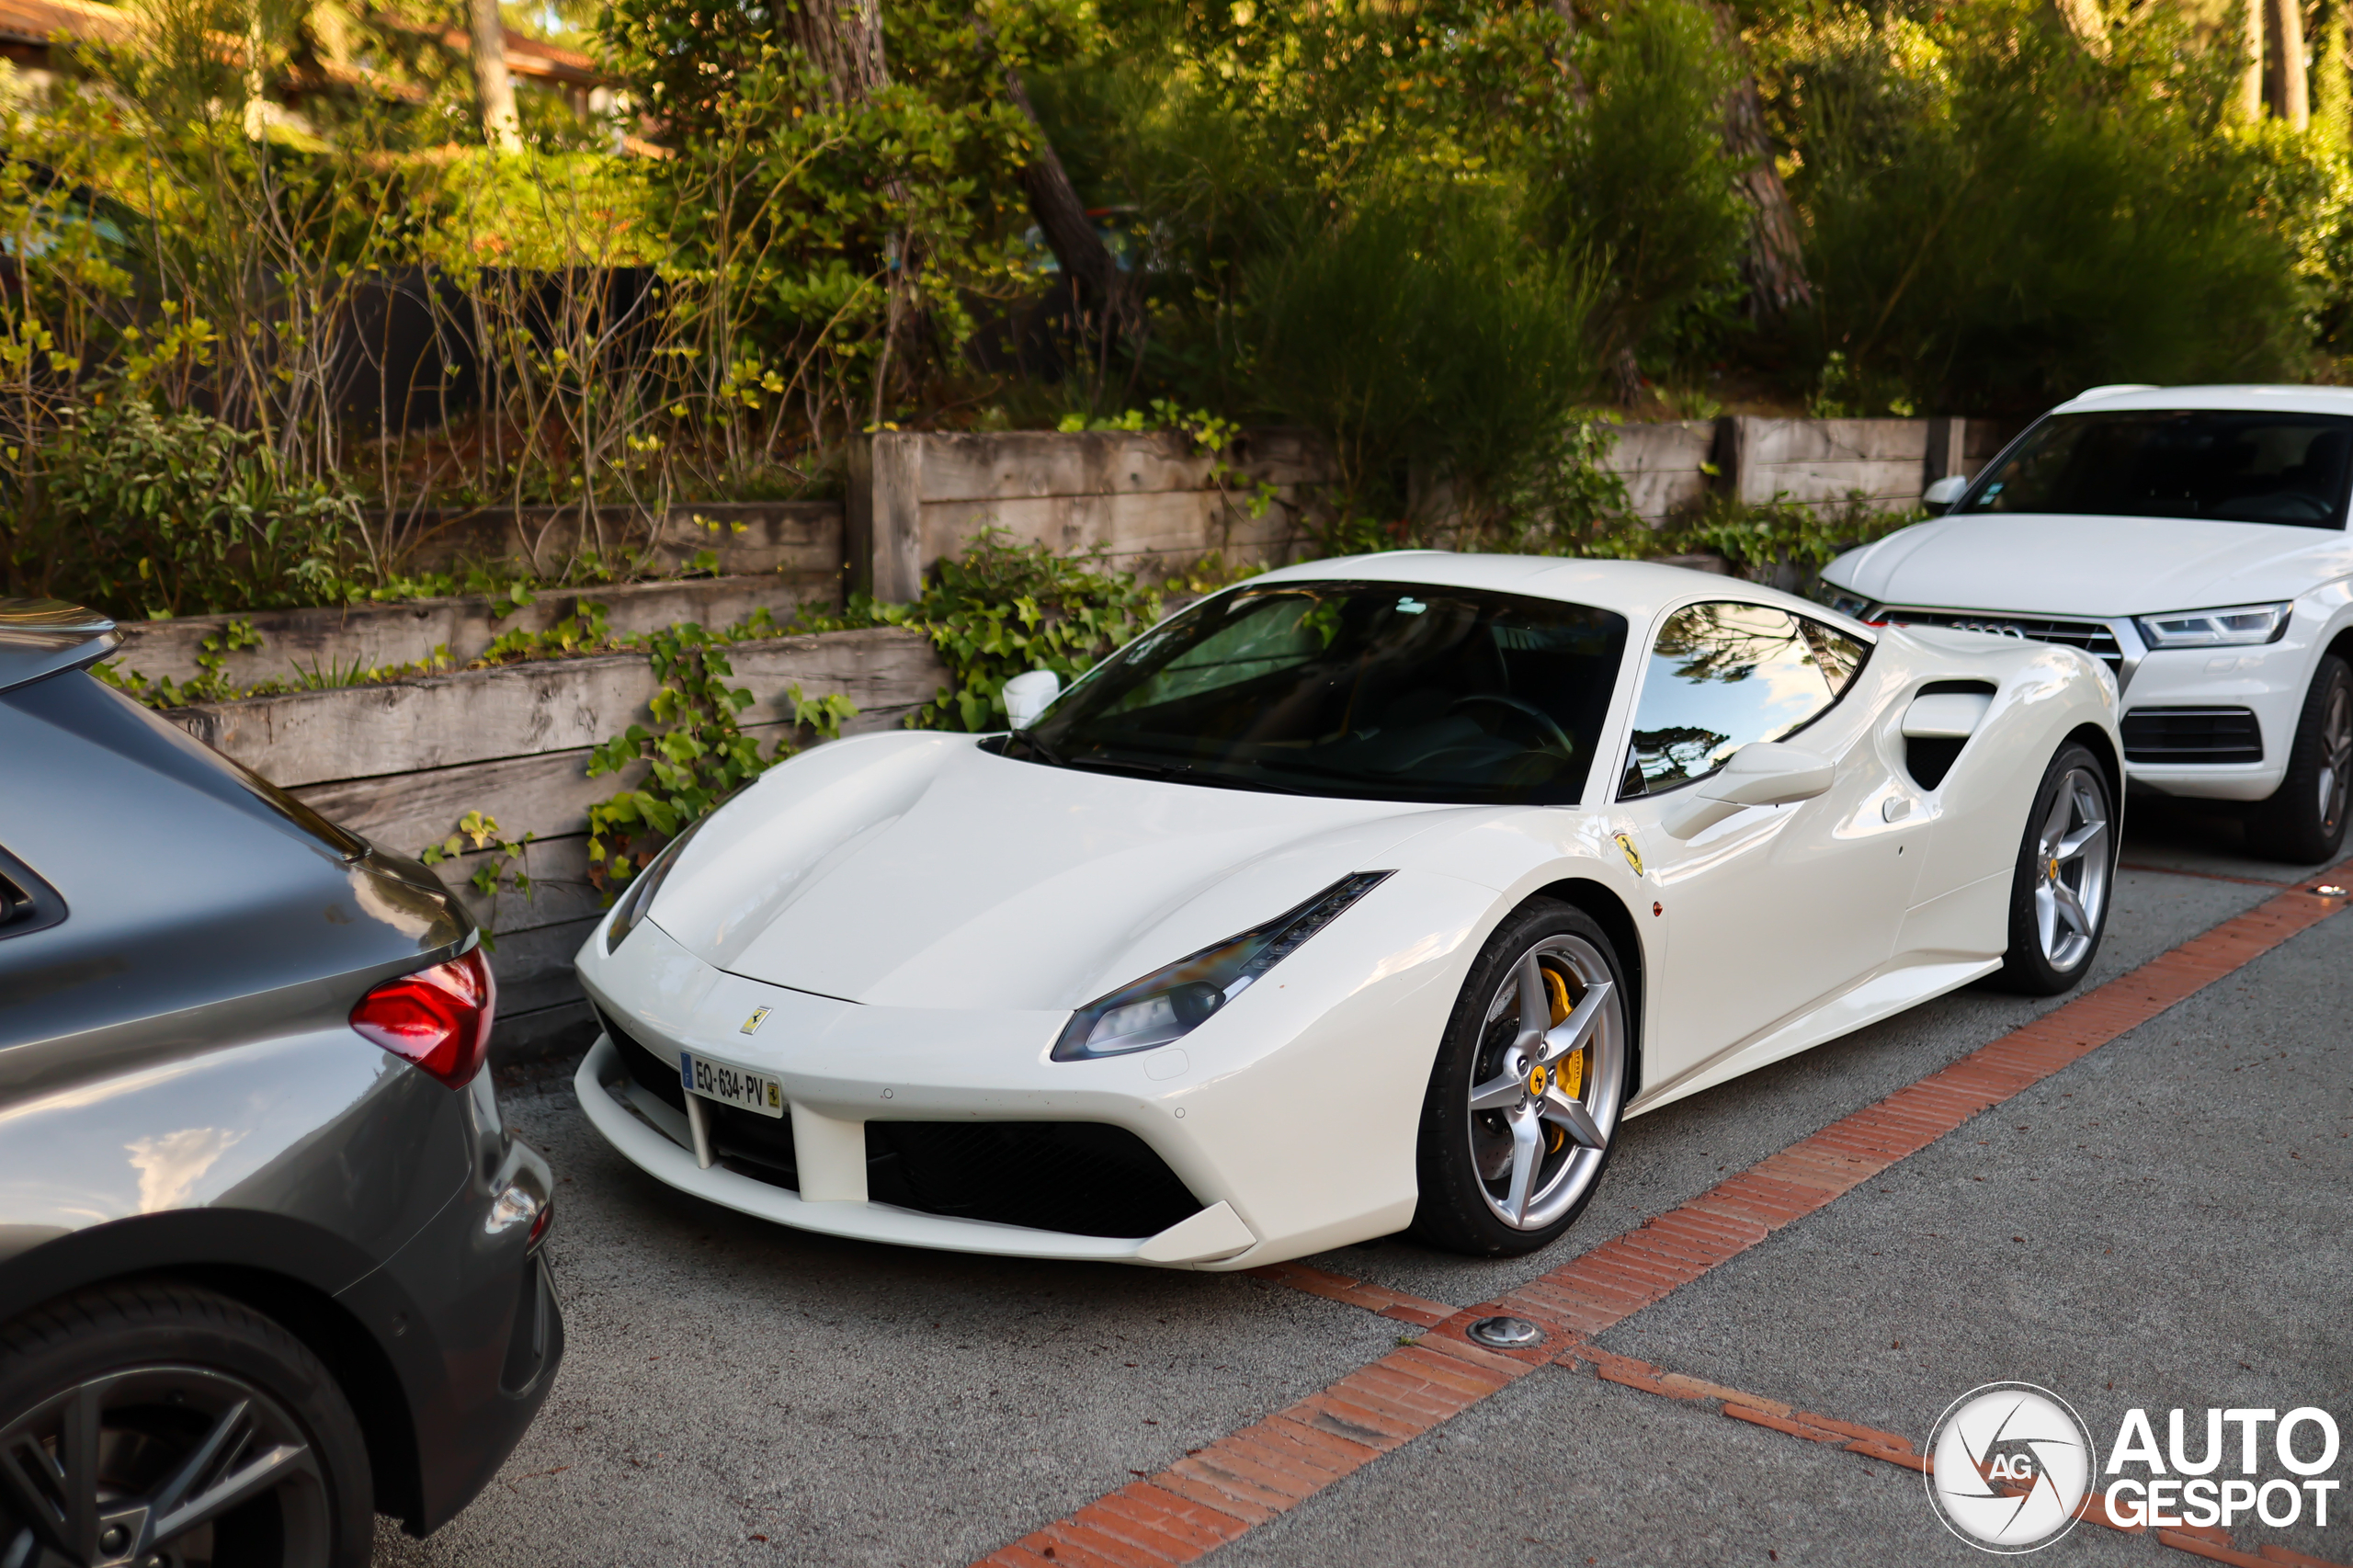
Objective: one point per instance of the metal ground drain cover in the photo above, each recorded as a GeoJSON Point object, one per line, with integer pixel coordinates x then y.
{"type": "Point", "coordinates": [1506, 1333]}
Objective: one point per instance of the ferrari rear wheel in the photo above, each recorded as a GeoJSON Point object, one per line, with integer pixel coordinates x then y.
{"type": "Point", "coordinates": [2058, 892]}
{"type": "Point", "coordinates": [1524, 1100]}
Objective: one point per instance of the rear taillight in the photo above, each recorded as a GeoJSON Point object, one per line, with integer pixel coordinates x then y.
{"type": "Point", "coordinates": [438, 1018]}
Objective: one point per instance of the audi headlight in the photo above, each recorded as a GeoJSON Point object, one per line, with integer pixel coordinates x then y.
{"type": "Point", "coordinates": [2236, 626]}
{"type": "Point", "coordinates": [1845, 601]}
{"type": "Point", "coordinates": [1170, 1003]}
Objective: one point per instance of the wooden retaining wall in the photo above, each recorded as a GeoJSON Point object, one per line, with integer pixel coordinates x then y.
{"type": "Point", "coordinates": [401, 762]}
{"type": "Point", "coordinates": [801, 539]}
{"type": "Point", "coordinates": [1149, 500]}
{"type": "Point", "coordinates": [296, 643]}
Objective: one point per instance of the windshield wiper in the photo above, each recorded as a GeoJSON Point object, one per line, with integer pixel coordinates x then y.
{"type": "Point", "coordinates": [1185, 773]}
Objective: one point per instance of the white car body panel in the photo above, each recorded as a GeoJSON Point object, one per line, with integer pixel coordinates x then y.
{"type": "Point", "coordinates": [920, 917]}
{"type": "Point", "coordinates": [2112, 569]}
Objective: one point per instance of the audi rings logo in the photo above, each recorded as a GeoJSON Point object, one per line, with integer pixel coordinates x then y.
{"type": "Point", "coordinates": [2011, 1464]}
{"type": "Point", "coordinates": [1990, 628]}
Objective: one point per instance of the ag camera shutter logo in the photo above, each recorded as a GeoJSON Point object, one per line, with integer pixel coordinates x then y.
{"type": "Point", "coordinates": [2012, 1463]}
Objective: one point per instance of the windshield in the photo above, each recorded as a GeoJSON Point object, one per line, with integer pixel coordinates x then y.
{"type": "Point", "coordinates": [1378, 690]}
{"type": "Point", "coordinates": [2228, 466]}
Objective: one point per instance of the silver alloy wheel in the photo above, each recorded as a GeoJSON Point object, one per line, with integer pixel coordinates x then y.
{"type": "Point", "coordinates": [1536, 1146]}
{"type": "Point", "coordinates": [159, 1467]}
{"type": "Point", "coordinates": [2072, 854]}
{"type": "Point", "coordinates": [2335, 755]}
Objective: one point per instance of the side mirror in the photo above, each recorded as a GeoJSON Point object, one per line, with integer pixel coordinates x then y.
{"type": "Point", "coordinates": [1939, 496]}
{"type": "Point", "coordinates": [1762, 773]}
{"type": "Point", "coordinates": [1029, 696]}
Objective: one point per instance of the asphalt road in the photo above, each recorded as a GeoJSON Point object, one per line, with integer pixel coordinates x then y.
{"type": "Point", "coordinates": [2167, 1222]}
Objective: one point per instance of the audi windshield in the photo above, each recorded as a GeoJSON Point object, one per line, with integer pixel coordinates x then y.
{"type": "Point", "coordinates": [2225, 465]}
{"type": "Point", "coordinates": [1378, 690]}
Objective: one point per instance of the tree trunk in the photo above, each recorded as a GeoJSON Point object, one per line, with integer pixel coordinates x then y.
{"type": "Point", "coordinates": [2286, 90]}
{"type": "Point", "coordinates": [2082, 18]}
{"type": "Point", "coordinates": [1061, 215]}
{"type": "Point", "coordinates": [1774, 269]}
{"type": "Point", "coordinates": [494, 89]}
{"type": "Point", "coordinates": [2250, 94]}
{"type": "Point", "coordinates": [844, 39]}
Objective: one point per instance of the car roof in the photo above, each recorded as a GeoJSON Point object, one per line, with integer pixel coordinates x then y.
{"type": "Point", "coordinates": [41, 637]}
{"type": "Point", "coordinates": [1635, 589]}
{"type": "Point", "coordinates": [2245, 399]}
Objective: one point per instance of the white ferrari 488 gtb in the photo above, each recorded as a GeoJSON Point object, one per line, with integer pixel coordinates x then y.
{"type": "Point", "coordinates": [1364, 895]}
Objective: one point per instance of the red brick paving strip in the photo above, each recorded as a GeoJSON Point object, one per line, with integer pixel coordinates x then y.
{"type": "Point", "coordinates": [1601, 1288]}
{"type": "Point", "coordinates": [1219, 1493]}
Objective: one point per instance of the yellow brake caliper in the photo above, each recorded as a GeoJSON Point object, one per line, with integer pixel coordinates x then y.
{"type": "Point", "coordinates": [1569, 1072]}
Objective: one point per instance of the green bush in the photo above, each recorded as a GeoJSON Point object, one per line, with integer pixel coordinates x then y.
{"type": "Point", "coordinates": [1999, 218]}
{"type": "Point", "coordinates": [179, 514]}
{"type": "Point", "coordinates": [1423, 337]}
{"type": "Point", "coordinates": [1638, 180]}
{"type": "Point", "coordinates": [1001, 609]}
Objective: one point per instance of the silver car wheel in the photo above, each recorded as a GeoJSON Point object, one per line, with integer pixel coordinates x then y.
{"type": "Point", "coordinates": [1545, 1089]}
{"type": "Point", "coordinates": [2074, 855]}
{"type": "Point", "coordinates": [2335, 756]}
{"type": "Point", "coordinates": [154, 1466]}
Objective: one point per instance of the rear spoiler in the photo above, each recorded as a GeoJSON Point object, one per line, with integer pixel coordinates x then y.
{"type": "Point", "coordinates": [39, 638]}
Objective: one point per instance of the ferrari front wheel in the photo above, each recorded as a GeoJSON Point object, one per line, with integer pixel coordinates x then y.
{"type": "Point", "coordinates": [1524, 1100]}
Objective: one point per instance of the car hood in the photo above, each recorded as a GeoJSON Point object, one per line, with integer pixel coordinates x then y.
{"type": "Point", "coordinates": [917, 870]}
{"type": "Point", "coordinates": [2032, 563]}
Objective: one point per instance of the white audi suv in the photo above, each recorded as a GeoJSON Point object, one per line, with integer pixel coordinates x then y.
{"type": "Point", "coordinates": [2192, 538]}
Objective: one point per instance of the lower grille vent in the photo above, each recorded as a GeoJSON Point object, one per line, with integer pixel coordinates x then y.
{"type": "Point", "coordinates": [1079, 1178]}
{"type": "Point", "coordinates": [2191, 735]}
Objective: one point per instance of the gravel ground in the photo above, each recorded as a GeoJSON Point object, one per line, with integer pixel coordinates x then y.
{"type": "Point", "coordinates": [2164, 1223]}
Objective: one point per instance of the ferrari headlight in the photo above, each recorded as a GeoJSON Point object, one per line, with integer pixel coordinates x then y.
{"type": "Point", "coordinates": [1170, 1003]}
{"type": "Point", "coordinates": [2239, 625]}
{"type": "Point", "coordinates": [638, 897]}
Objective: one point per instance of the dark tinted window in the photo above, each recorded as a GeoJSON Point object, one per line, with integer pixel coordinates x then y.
{"type": "Point", "coordinates": [2243, 468]}
{"type": "Point", "coordinates": [1376, 689]}
{"type": "Point", "coordinates": [1723, 674]}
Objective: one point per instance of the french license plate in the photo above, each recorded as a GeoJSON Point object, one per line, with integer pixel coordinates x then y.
{"type": "Point", "coordinates": [731, 1085]}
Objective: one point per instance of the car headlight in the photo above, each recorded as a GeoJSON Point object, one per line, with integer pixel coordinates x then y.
{"type": "Point", "coordinates": [2238, 625]}
{"type": "Point", "coordinates": [1845, 601]}
{"type": "Point", "coordinates": [1170, 1003]}
{"type": "Point", "coordinates": [638, 897]}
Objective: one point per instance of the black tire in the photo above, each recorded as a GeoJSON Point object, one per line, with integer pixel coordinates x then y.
{"type": "Point", "coordinates": [2303, 822]}
{"type": "Point", "coordinates": [2051, 950]}
{"type": "Point", "coordinates": [1458, 1209]}
{"type": "Point", "coordinates": [140, 1378]}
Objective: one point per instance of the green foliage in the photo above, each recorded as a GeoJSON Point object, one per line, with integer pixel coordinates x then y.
{"type": "Point", "coordinates": [1564, 501]}
{"type": "Point", "coordinates": [1759, 538]}
{"type": "Point", "coordinates": [212, 683]}
{"type": "Point", "coordinates": [2000, 218]}
{"type": "Point", "coordinates": [1638, 180]}
{"type": "Point", "coordinates": [1002, 609]}
{"type": "Point", "coordinates": [698, 757]}
{"type": "Point", "coordinates": [482, 833]}
{"type": "Point", "coordinates": [1425, 339]}
{"type": "Point", "coordinates": [180, 513]}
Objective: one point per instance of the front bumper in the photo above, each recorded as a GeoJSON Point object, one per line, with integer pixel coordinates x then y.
{"type": "Point", "coordinates": [1291, 1119]}
{"type": "Point", "coordinates": [654, 1138]}
{"type": "Point", "coordinates": [2268, 681]}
